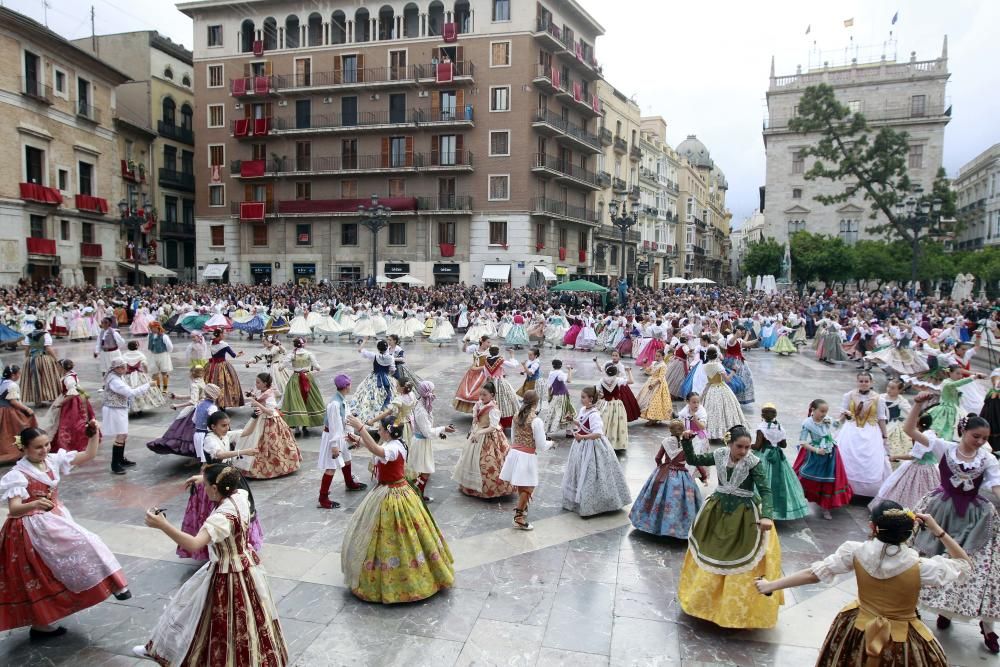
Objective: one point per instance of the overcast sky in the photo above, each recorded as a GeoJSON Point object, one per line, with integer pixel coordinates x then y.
{"type": "Point", "coordinates": [704, 66]}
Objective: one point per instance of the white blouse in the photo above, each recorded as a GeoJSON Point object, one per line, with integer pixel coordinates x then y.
{"type": "Point", "coordinates": [942, 448]}
{"type": "Point", "coordinates": [936, 571]}
{"type": "Point", "coordinates": [393, 450]}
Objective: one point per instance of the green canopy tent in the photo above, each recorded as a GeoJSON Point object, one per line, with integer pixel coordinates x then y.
{"type": "Point", "coordinates": [582, 286]}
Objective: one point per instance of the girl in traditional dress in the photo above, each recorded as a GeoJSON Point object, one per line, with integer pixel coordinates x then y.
{"type": "Point", "coordinates": [517, 335]}
{"type": "Point", "coordinates": [277, 454]}
{"type": "Point", "coordinates": [569, 338]}
{"type": "Point", "coordinates": [556, 329]}
{"type": "Point", "coordinates": [41, 375]}
{"type": "Point", "coordinates": [946, 412]}
{"type": "Point", "coordinates": [273, 357]}
{"type": "Point", "coordinates": [587, 338]}
{"type": "Point", "coordinates": [520, 468]}
{"type": "Point", "coordinates": [881, 627]}
{"type": "Point", "coordinates": [137, 375]}
{"type": "Point", "coordinates": [862, 440]}
{"type": "Point", "coordinates": [494, 367]}
{"type": "Point", "coordinates": [829, 347]}
{"type": "Point", "coordinates": [612, 409]}
{"type": "Point", "coordinates": [218, 446]}
{"type": "Point", "coordinates": [784, 347]}
{"type": "Point", "coordinates": [536, 329]}
{"type": "Point", "coordinates": [179, 437]}
{"type": "Point", "coordinates": [736, 363]}
{"type": "Point", "coordinates": [560, 414]}
{"type": "Point", "coordinates": [788, 499]}
{"type": "Point", "coordinates": [222, 374]}
{"type": "Point", "coordinates": [677, 367]}
{"type": "Point", "coordinates": [277, 322]}
{"type": "Point", "coordinates": [818, 465]}
{"type": "Point", "coordinates": [302, 404]}
{"type": "Point", "coordinates": [197, 351]}
{"type": "Point", "coordinates": [532, 371]}
{"type": "Point", "coordinates": [593, 481]}
{"type": "Point", "coordinates": [299, 326]}
{"type": "Point", "coordinates": [224, 614]}
{"type": "Point", "coordinates": [403, 372]}
{"type": "Point", "coordinates": [442, 332]}
{"type": "Point", "coordinates": [334, 447]}
{"type": "Point", "coordinates": [478, 468]}
{"type": "Point", "coordinates": [695, 419]}
{"type": "Point", "coordinates": [897, 407]}
{"type": "Point", "coordinates": [53, 566]}
{"type": "Point", "coordinates": [669, 500]}
{"type": "Point", "coordinates": [632, 409]}
{"type": "Point", "coordinates": [721, 405]}
{"type": "Point", "coordinates": [768, 335]}
{"type": "Point", "coordinates": [377, 390]}
{"type": "Point", "coordinates": [364, 325]}
{"type": "Point", "coordinates": [967, 468]}
{"type": "Point", "coordinates": [732, 541]}
{"type": "Point", "coordinates": [654, 397]}
{"type": "Point", "coordinates": [400, 408]}
{"type": "Point", "coordinates": [140, 321]}
{"type": "Point", "coordinates": [420, 461]}
{"type": "Point", "coordinates": [71, 412]}
{"type": "Point", "coordinates": [914, 479]}
{"type": "Point", "coordinates": [393, 550]}
{"type": "Point", "coordinates": [657, 334]}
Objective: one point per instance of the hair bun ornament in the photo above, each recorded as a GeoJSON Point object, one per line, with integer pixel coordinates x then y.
{"type": "Point", "coordinates": [18, 443]}
{"type": "Point", "coordinates": [727, 437]}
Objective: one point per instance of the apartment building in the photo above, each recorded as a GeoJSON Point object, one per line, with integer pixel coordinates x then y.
{"type": "Point", "coordinates": [977, 190]}
{"type": "Point", "coordinates": [475, 121]}
{"type": "Point", "coordinates": [657, 200]}
{"type": "Point", "coordinates": [704, 224]}
{"type": "Point", "coordinates": [58, 213]}
{"type": "Point", "coordinates": [160, 96]}
{"type": "Point", "coordinates": [907, 95]}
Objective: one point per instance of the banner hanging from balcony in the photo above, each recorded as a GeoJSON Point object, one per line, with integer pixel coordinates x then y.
{"type": "Point", "coordinates": [39, 193]}
{"type": "Point", "coordinates": [444, 72]}
{"type": "Point", "coordinates": [252, 210]}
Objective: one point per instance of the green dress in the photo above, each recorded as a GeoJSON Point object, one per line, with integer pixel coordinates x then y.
{"type": "Point", "coordinates": [945, 413]}
{"type": "Point", "coordinates": [303, 404]}
{"type": "Point", "coordinates": [788, 499]}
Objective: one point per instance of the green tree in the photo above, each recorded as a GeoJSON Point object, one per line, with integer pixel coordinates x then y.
{"type": "Point", "coordinates": [872, 164]}
{"type": "Point", "coordinates": [819, 257]}
{"type": "Point", "coordinates": [879, 261]}
{"type": "Point", "coordinates": [764, 258]}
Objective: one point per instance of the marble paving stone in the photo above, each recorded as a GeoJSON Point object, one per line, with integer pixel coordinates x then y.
{"type": "Point", "coordinates": [553, 657]}
{"type": "Point", "coordinates": [299, 635]}
{"type": "Point", "coordinates": [449, 615]}
{"type": "Point", "coordinates": [519, 602]}
{"type": "Point", "coordinates": [313, 603]}
{"type": "Point", "coordinates": [638, 642]}
{"type": "Point", "coordinates": [582, 617]}
{"type": "Point", "coordinates": [497, 644]}
{"type": "Point", "coordinates": [590, 566]}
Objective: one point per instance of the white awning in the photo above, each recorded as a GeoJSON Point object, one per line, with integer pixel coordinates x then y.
{"type": "Point", "coordinates": [215, 270]}
{"type": "Point", "coordinates": [496, 273]}
{"type": "Point", "coordinates": [546, 273]}
{"type": "Point", "coordinates": [150, 270]}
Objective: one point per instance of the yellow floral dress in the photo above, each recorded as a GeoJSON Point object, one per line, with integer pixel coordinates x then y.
{"type": "Point", "coordinates": [654, 397]}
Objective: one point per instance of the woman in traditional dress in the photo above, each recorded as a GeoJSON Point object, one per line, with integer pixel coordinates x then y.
{"type": "Point", "coordinates": [732, 541]}
{"type": "Point", "coordinates": [442, 332]}
{"type": "Point", "coordinates": [587, 338]}
{"type": "Point", "coordinates": [695, 419]}
{"type": "Point", "coordinates": [137, 375]}
{"type": "Point", "coordinates": [302, 403]}
{"type": "Point", "coordinates": [991, 410]}
{"type": "Point", "coordinates": [593, 481]}
{"type": "Point", "coordinates": [299, 326]}
{"type": "Point", "coordinates": [736, 364]}
{"type": "Point", "coordinates": [71, 412]}
{"type": "Point", "coordinates": [669, 500]}
{"type": "Point", "coordinates": [53, 566]}
{"type": "Point", "coordinates": [222, 374]}
{"type": "Point", "coordinates": [224, 614]}
{"type": "Point", "coordinates": [612, 408]}
{"type": "Point", "coordinates": [830, 348]}
{"type": "Point", "coordinates": [632, 409]}
{"type": "Point", "coordinates": [41, 375]}
{"type": "Point", "coordinates": [273, 357]}
{"type": "Point", "coordinates": [560, 413]}
{"type": "Point", "coordinates": [881, 627]}
{"type": "Point", "coordinates": [784, 346]}
{"type": "Point", "coordinates": [719, 401]}
{"type": "Point", "coordinates": [253, 324]}
{"type": "Point", "coordinates": [818, 465]}
{"type": "Point", "coordinates": [140, 321]}
{"type": "Point", "coordinates": [420, 461]}
{"type": "Point", "coordinates": [179, 436]}
{"type": "Point", "coordinates": [478, 468]}
{"type": "Point", "coordinates": [575, 326]}
{"type": "Point", "coordinates": [654, 397]}
{"type": "Point", "coordinates": [364, 325]}
{"type": "Point", "coordinates": [403, 372]}
{"type": "Point", "coordinates": [495, 367]}
{"type": "Point", "coordinates": [788, 499]}
{"type": "Point", "coordinates": [517, 335]}
{"type": "Point", "coordinates": [914, 479]}
{"type": "Point", "coordinates": [556, 329]}
{"type": "Point", "coordinates": [277, 454]}
{"type": "Point", "coordinates": [400, 408]}
{"type": "Point", "coordinates": [897, 407]}
{"type": "Point", "coordinates": [532, 371]}
{"type": "Point", "coordinates": [945, 413]}
{"type": "Point", "coordinates": [15, 416]}
{"type": "Point", "coordinates": [969, 473]}
{"type": "Point", "coordinates": [677, 367]}
{"type": "Point", "coordinates": [219, 446]}
{"type": "Point", "coordinates": [277, 322]}
{"type": "Point", "coordinates": [393, 550]}
{"type": "Point", "coordinates": [863, 439]}
{"type": "Point", "coordinates": [520, 468]}
{"type": "Point", "coordinates": [377, 390]}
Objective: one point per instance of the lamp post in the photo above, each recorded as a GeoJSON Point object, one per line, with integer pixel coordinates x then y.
{"type": "Point", "coordinates": [129, 218]}
{"type": "Point", "coordinates": [916, 213]}
{"type": "Point", "coordinates": [374, 217]}
{"type": "Point", "coordinates": [624, 221]}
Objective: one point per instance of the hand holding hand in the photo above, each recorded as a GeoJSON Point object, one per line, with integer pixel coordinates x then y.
{"type": "Point", "coordinates": [43, 504]}
{"type": "Point", "coordinates": [355, 422]}
{"type": "Point", "coordinates": [765, 525]}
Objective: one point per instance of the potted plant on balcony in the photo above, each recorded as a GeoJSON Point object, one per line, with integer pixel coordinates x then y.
{"type": "Point", "coordinates": [142, 170]}
{"type": "Point", "coordinates": [539, 246]}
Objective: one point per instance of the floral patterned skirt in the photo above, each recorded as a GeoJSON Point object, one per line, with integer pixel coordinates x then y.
{"type": "Point", "coordinates": [615, 423]}
{"type": "Point", "coordinates": [41, 380]}
{"type": "Point", "coordinates": [278, 454]}
{"type": "Point", "coordinates": [222, 374]}
{"type": "Point", "coordinates": [478, 468]}
{"type": "Point", "coordinates": [845, 645]}
{"type": "Point", "coordinates": [560, 414]}
{"type": "Point", "coordinates": [668, 503]}
{"type": "Point", "coordinates": [655, 401]}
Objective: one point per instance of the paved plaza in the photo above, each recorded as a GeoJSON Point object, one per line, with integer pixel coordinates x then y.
{"type": "Point", "coordinates": [575, 591]}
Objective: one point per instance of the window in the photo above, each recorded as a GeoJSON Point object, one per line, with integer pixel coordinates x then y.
{"type": "Point", "coordinates": [216, 155]}
{"type": "Point", "coordinates": [83, 98]}
{"type": "Point", "coordinates": [258, 151]}
{"type": "Point", "coordinates": [303, 191]}
{"type": "Point", "coordinates": [260, 234]}
{"type": "Point", "coordinates": [63, 180]}
{"type": "Point", "coordinates": [168, 73]}
{"type": "Point", "coordinates": [854, 106]}
{"type": "Point", "coordinates": [87, 232]}
{"type": "Point", "coordinates": [303, 234]}
{"type": "Point", "coordinates": [918, 105]}
{"type": "Point", "coordinates": [798, 162]}
{"type": "Point", "coordinates": [796, 193]}
{"type": "Point", "coordinates": [501, 10]}
{"type": "Point", "coordinates": [218, 236]}
{"type": "Point", "coordinates": [614, 256]}
{"type": "Point", "coordinates": [849, 231]}
{"type": "Point", "coordinates": [170, 209]}
{"type": "Point", "coordinates": [60, 82]}
{"type": "Point", "coordinates": [216, 115]}
{"type": "Point", "coordinates": [34, 165]}
{"type": "Point", "coordinates": [446, 232]}
{"type": "Point", "coordinates": [499, 143]}
{"type": "Point", "coordinates": [351, 274]}
{"type": "Point", "coordinates": [303, 155]}
{"type": "Point", "coordinates": [539, 235]}
{"type": "Point", "coordinates": [349, 233]}
{"type": "Point", "coordinates": [447, 146]}
{"type": "Point", "coordinates": [498, 232]}
{"type": "Point", "coordinates": [499, 98]}
{"type": "Point", "coordinates": [64, 230]}
{"type": "Point", "coordinates": [563, 237]}
{"type": "Point", "coordinates": [397, 233]}
{"type": "Point", "coordinates": [916, 157]}
{"type": "Point", "coordinates": [397, 187]}
{"type": "Point", "coordinates": [187, 209]}
{"type": "Point", "coordinates": [215, 35]}
{"type": "Point", "coordinates": [397, 108]}
{"type": "Point", "coordinates": [397, 147]}
{"type": "Point", "coordinates": [215, 79]}
{"type": "Point", "coordinates": [217, 195]}
{"type": "Point", "coordinates": [170, 157]}
{"type": "Point", "coordinates": [187, 117]}
{"type": "Point", "coordinates": [499, 187]}
{"type": "Point", "coordinates": [86, 178]}
{"type": "Point", "coordinates": [37, 226]}
{"type": "Point", "coordinates": [499, 54]}
{"type": "Point", "coordinates": [186, 80]}
{"type": "Point", "coordinates": [348, 189]}
{"type": "Point", "coordinates": [350, 64]}
{"type": "Point", "coordinates": [796, 226]}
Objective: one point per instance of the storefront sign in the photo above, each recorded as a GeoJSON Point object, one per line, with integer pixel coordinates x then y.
{"type": "Point", "coordinates": [397, 269]}
{"type": "Point", "coordinates": [446, 269]}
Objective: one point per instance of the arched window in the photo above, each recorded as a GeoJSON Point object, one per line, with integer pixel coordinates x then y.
{"type": "Point", "coordinates": [411, 20]}
{"type": "Point", "coordinates": [386, 23]}
{"type": "Point", "coordinates": [186, 80]}
{"type": "Point", "coordinates": [248, 33]}
{"type": "Point", "coordinates": [169, 111]}
{"type": "Point", "coordinates": [187, 116]}
{"type": "Point", "coordinates": [168, 73]}
{"type": "Point", "coordinates": [292, 32]}
{"type": "Point", "coordinates": [463, 16]}
{"type": "Point", "coordinates": [270, 34]}
{"type": "Point", "coordinates": [435, 18]}
{"type": "Point", "coordinates": [362, 25]}
{"type": "Point", "coordinates": [315, 31]}
{"type": "Point", "coordinates": [338, 28]}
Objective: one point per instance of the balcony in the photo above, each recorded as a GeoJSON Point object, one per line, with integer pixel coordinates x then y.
{"type": "Point", "coordinates": [460, 71]}
{"type": "Point", "coordinates": [606, 137]}
{"type": "Point", "coordinates": [549, 35]}
{"type": "Point", "coordinates": [580, 98]}
{"type": "Point", "coordinates": [334, 123]}
{"type": "Point", "coordinates": [560, 209]}
{"type": "Point", "coordinates": [45, 247]}
{"type": "Point", "coordinates": [604, 179]}
{"type": "Point", "coordinates": [649, 175]}
{"type": "Point", "coordinates": [444, 204]}
{"type": "Point", "coordinates": [636, 193]}
{"type": "Point", "coordinates": [91, 251]}
{"type": "Point", "coordinates": [619, 185]}
{"type": "Point", "coordinates": [447, 161]}
{"type": "Point", "coordinates": [339, 79]}
{"type": "Point", "coordinates": [253, 86]}
{"type": "Point", "coordinates": [88, 112]}
{"type": "Point", "coordinates": [608, 231]}
{"type": "Point", "coordinates": [566, 132]}
{"type": "Point", "coordinates": [40, 194]}
{"type": "Point", "coordinates": [91, 204]}
{"type": "Point", "coordinates": [251, 127]}
{"type": "Point", "coordinates": [35, 90]}
{"type": "Point", "coordinates": [176, 229]}
{"type": "Point", "coordinates": [548, 79]}
{"type": "Point", "coordinates": [565, 171]}
{"type": "Point", "coordinates": [184, 135]}
{"type": "Point", "coordinates": [133, 173]}
{"type": "Point", "coordinates": [342, 207]}
{"type": "Point", "coordinates": [672, 187]}
{"type": "Point", "coordinates": [253, 211]}
{"type": "Point", "coordinates": [356, 164]}
{"type": "Point", "coordinates": [621, 146]}
{"type": "Point", "coordinates": [176, 180]}
{"type": "Point", "coordinates": [635, 153]}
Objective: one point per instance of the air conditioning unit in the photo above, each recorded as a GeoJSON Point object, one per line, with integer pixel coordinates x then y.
{"type": "Point", "coordinates": [327, 100]}
{"type": "Point", "coordinates": [423, 93]}
{"type": "Point", "coordinates": [238, 106]}
{"type": "Point", "coordinates": [374, 96]}
{"type": "Point", "coordinates": [283, 103]}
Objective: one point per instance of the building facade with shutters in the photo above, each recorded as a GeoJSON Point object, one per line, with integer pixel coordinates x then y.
{"type": "Point", "coordinates": [977, 190]}
{"type": "Point", "coordinates": [907, 95]}
{"type": "Point", "coordinates": [475, 123]}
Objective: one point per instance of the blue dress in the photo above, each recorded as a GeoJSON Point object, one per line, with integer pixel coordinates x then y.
{"type": "Point", "coordinates": [669, 500]}
{"type": "Point", "coordinates": [375, 392]}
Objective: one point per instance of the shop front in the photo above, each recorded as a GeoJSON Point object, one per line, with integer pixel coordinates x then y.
{"type": "Point", "coordinates": [260, 274]}
{"type": "Point", "coordinates": [396, 269]}
{"type": "Point", "coordinates": [495, 275]}
{"type": "Point", "coordinates": [305, 274]}
{"type": "Point", "coordinates": [446, 274]}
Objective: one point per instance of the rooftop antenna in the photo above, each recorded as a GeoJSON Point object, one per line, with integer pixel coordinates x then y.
{"type": "Point", "coordinates": [45, 12]}
{"type": "Point", "coordinates": [93, 35]}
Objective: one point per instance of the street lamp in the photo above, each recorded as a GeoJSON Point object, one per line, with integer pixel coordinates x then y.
{"type": "Point", "coordinates": [916, 214]}
{"type": "Point", "coordinates": [374, 217]}
{"type": "Point", "coordinates": [624, 221]}
{"type": "Point", "coordinates": [129, 218]}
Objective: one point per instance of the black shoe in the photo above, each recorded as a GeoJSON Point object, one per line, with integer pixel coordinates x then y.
{"type": "Point", "coordinates": [125, 462]}
{"type": "Point", "coordinates": [117, 469]}
{"type": "Point", "coordinates": [305, 432]}
{"type": "Point", "coordinates": [943, 622]}
{"type": "Point", "coordinates": [124, 595]}
{"type": "Point", "coordinates": [42, 635]}
{"type": "Point", "coordinates": [358, 486]}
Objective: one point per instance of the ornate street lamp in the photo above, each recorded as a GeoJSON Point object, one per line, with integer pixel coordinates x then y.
{"type": "Point", "coordinates": [374, 217]}
{"type": "Point", "coordinates": [130, 218]}
{"type": "Point", "coordinates": [917, 214]}
{"type": "Point", "coordinates": [623, 221]}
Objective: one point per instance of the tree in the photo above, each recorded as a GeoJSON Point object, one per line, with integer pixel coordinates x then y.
{"type": "Point", "coordinates": [819, 257]}
{"type": "Point", "coordinates": [873, 164]}
{"type": "Point", "coordinates": [764, 258]}
{"type": "Point", "coordinates": [879, 261]}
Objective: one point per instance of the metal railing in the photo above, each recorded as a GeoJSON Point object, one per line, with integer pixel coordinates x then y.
{"type": "Point", "coordinates": [176, 132]}
{"type": "Point", "coordinates": [88, 111]}
{"type": "Point", "coordinates": [178, 180]}
{"type": "Point", "coordinates": [568, 127]}
{"type": "Point", "coordinates": [35, 89]}
{"type": "Point", "coordinates": [562, 209]}
{"type": "Point", "coordinates": [621, 145]}
{"type": "Point", "coordinates": [444, 202]}
{"type": "Point", "coordinates": [565, 167]}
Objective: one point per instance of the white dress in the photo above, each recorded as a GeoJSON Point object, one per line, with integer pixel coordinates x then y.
{"type": "Point", "coordinates": [114, 421]}
{"type": "Point", "coordinates": [521, 468]}
{"type": "Point", "coordinates": [421, 456]}
{"type": "Point", "coordinates": [866, 461]}
{"type": "Point", "coordinates": [443, 331]}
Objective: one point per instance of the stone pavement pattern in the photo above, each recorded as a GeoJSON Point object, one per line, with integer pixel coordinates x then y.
{"type": "Point", "coordinates": [575, 591]}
